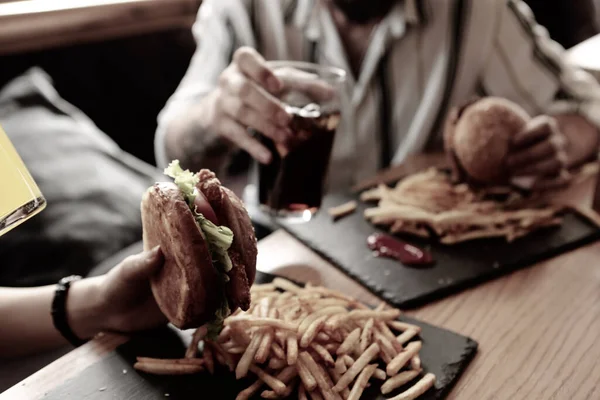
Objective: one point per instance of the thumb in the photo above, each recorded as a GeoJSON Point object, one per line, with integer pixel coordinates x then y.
{"type": "Point", "coordinates": [143, 265]}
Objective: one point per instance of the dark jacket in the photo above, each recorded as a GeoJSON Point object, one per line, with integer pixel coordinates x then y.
{"type": "Point", "coordinates": [569, 22]}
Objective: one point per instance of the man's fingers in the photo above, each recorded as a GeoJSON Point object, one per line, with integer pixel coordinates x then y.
{"type": "Point", "coordinates": [551, 167]}
{"type": "Point", "coordinates": [242, 113]}
{"type": "Point", "coordinates": [239, 135]}
{"type": "Point", "coordinates": [254, 66]}
{"type": "Point", "coordinates": [537, 129]}
{"type": "Point", "coordinates": [143, 265]}
{"type": "Point", "coordinates": [257, 98]}
{"type": "Point", "coordinates": [535, 153]}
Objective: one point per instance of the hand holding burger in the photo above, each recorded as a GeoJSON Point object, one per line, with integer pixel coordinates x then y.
{"type": "Point", "coordinates": [209, 247]}
{"type": "Point", "coordinates": [494, 141]}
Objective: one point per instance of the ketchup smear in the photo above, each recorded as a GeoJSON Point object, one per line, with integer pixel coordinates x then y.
{"type": "Point", "coordinates": [388, 246]}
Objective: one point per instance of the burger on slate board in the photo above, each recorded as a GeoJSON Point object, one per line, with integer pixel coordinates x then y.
{"type": "Point", "coordinates": [209, 245]}
{"type": "Point", "coordinates": [478, 136]}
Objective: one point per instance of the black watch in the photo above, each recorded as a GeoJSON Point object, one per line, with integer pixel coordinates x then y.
{"type": "Point", "coordinates": [59, 310]}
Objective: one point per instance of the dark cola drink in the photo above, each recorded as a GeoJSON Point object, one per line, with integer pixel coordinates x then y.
{"type": "Point", "coordinates": [294, 180]}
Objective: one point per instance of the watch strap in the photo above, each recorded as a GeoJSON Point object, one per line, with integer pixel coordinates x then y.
{"type": "Point", "coordinates": [59, 310]}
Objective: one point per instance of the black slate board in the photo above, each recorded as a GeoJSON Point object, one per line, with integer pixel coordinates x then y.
{"type": "Point", "coordinates": [343, 243]}
{"type": "Point", "coordinates": [444, 353]}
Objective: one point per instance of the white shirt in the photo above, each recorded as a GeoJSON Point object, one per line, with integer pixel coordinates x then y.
{"type": "Point", "coordinates": [424, 57]}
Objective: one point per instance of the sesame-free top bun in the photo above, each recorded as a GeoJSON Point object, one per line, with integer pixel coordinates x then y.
{"type": "Point", "coordinates": [479, 137]}
{"type": "Point", "coordinates": [230, 211]}
{"type": "Point", "coordinates": [187, 288]}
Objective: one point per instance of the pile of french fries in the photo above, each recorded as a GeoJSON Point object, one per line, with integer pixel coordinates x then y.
{"type": "Point", "coordinates": [311, 341]}
{"type": "Point", "coordinates": [428, 203]}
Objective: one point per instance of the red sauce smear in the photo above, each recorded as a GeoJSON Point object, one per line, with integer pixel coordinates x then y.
{"type": "Point", "coordinates": [388, 246]}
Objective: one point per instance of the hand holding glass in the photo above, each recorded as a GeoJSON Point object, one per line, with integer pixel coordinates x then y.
{"type": "Point", "coordinates": [292, 185]}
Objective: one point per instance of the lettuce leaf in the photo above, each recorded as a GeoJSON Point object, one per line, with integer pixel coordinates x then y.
{"type": "Point", "coordinates": [218, 239]}
{"type": "Point", "coordinates": [185, 180]}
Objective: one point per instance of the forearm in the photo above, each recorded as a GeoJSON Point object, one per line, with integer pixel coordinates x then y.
{"type": "Point", "coordinates": [189, 138]}
{"type": "Point", "coordinates": [582, 138]}
{"type": "Point", "coordinates": [27, 325]}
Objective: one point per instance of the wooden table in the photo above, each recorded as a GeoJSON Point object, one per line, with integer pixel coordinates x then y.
{"type": "Point", "coordinates": [28, 25]}
{"type": "Point", "coordinates": [538, 329]}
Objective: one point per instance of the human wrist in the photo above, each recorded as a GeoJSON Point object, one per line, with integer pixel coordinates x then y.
{"type": "Point", "coordinates": [85, 308]}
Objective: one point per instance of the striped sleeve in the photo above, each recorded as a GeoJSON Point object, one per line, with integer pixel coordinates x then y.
{"type": "Point", "coordinates": [526, 66]}
{"type": "Point", "coordinates": [218, 28]}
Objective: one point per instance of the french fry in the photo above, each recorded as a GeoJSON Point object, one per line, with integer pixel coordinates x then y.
{"type": "Point", "coordinates": [270, 394]}
{"type": "Point", "coordinates": [379, 315]}
{"type": "Point", "coordinates": [340, 366]}
{"type": "Point", "coordinates": [312, 331]}
{"type": "Point", "coordinates": [323, 381]}
{"type": "Point", "coordinates": [336, 377]}
{"type": "Point", "coordinates": [305, 324]}
{"type": "Point", "coordinates": [385, 346]}
{"type": "Point", "coordinates": [239, 334]}
{"type": "Point", "coordinates": [292, 350]}
{"type": "Point", "coordinates": [265, 347]}
{"type": "Point", "coordinates": [268, 322]}
{"type": "Point", "coordinates": [406, 336]}
{"type": "Point", "coordinates": [403, 326]}
{"type": "Point", "coordinates": [227, 359]}
{"type": "Point", "coordinates": [188, 361]}
{"type": "Point", "coordinates": [302, 393]}
{"type": "Point", "coordinates": [263, 287]}
{"type": "Point", "coordinates": [192, 349]}
{"type": "Point", "coordinates": [315, 395]}
{"type": "Point", "coordinates": [224, 335]}
{"type": "Point", "coordinates": [276, 363]}
{"type": "Point", "coordinates": [361, 382]}
{"type": "Point", "coordinates": [323, 354]}
{"type": "Point", "coordinates": [332, 347]}
{"type": "Point", "coordinates": [342, 210]}
{"type": "Point", "coordinates": [286, 285]}
{"type": "Point", "coordinates": [415, 362]}
{"type": "Point", "coordinates": [286, 375]}
{"type": "Point", "coordinates": [271, 381]}
{"type": "Point", "coordinates": [168, 369]}
{"type": "Point", "coordinates": [402, 358]}
{"type": "Point", "coordinates": [358, 366]}
{"type": "Point", "coordinates": [349, 343]}
{"type": "Point", "coordinates": [380, 374]}
{"type": "Point", "coordinates": [418, 389]}
{"type": "Point", "coordinates": [277, 350]}
{"type": "Point", "coordinates": [366, 335]}
{"type": "Point", "coordinates": [396, 381]}
{"type": "Point", "coordinates": [391, 338]}
{"type": "Point", "coordinates": [349, 361]}
{"type": "Point", "coordinates": [306, 376]}
{"type": "Point", "coordinates": [241, 370]}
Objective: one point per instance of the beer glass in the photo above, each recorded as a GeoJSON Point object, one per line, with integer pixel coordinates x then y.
{"type": "Point", "coordinates": [20, 197]}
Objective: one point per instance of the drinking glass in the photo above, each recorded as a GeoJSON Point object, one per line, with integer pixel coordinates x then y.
{"type": "Point", "coordinates": [20, 197]}
{"type": "Point", "coordinates": [291, 187]}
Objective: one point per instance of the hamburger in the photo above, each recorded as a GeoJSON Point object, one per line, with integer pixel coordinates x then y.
{"type": "Point", "coordinates": [209, 246]}
{"type": "Point", "coordinates": [478, 138]}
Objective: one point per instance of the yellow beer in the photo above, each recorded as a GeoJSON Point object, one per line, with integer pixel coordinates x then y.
{"type": "Point", "coordinates": [20, 197]}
